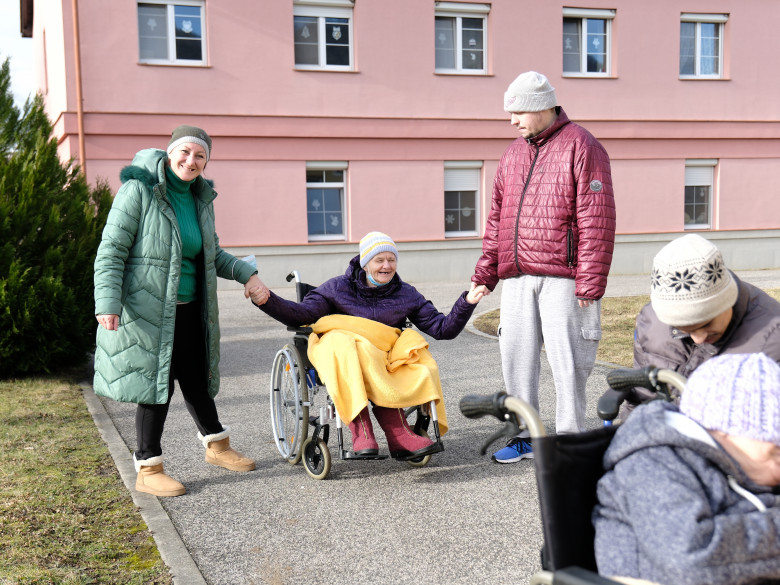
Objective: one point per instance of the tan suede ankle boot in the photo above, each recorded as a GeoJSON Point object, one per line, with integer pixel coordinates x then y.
{"type": "Point", "coordinates": [153, 480]}
{"type": "Point", "coordinates": [220, 453]}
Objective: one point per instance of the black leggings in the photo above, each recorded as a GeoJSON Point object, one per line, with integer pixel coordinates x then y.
{"type": "Point", "coordinates": [189, 366]}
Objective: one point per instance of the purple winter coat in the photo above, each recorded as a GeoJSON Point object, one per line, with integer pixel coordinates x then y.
{"type": "Point", "coordinates": [391, 304]}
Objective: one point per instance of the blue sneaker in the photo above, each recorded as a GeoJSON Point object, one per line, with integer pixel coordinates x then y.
{"type": "Point", "coordinates": [516, 450]}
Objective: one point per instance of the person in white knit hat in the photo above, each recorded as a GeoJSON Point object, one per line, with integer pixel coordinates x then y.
{"type": "Point", "coordinates": [549, 236]}
{"type": "Point", "coordinates": [699, 309]}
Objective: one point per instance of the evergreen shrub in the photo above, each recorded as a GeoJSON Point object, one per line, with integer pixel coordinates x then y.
{"type": "Point", "coordinates": [50, 226]}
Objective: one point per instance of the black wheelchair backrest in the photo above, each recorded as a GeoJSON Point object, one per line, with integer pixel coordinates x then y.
{"type": "Point", "coordinates": [568, 467]}
{"type": "Point", "coordinates": [302, 289]}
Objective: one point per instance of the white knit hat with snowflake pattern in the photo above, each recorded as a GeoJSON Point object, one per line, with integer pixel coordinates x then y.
{"type": "Point", "coordinates": [690, 283]}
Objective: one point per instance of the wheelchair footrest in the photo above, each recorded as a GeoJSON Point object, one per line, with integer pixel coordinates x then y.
{"type": "Point", "coordinates": [351, 455]}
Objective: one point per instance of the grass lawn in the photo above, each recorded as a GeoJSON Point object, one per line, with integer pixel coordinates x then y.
{"type": "Point", "coordinates": [65, 515]}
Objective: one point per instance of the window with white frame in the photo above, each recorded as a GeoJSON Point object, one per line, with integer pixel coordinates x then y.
{"type": "Point", "coordinates": [322, 33]}
{"type": "Point", "coordinates": [701, 45]}
{"type": "Point", "coordinates": [325, 200]}
{"type": "Point", "coordinates": [587, 42]}
{"type": "Point", "coordinates": [171, 32]}
{"type": "Point", "coordinates": [699, 186]}
{"type": "Point", "coordinates": [461, 37]}
{"type": "Point", "coordinates": [461, 198]}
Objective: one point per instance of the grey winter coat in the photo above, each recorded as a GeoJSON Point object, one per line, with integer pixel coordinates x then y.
{"type": "Point", "coordinates": [137, 271]}
{"type": "Point", "coordinates": [754, 327]}
{"type": "Point", "coordinates": [668, 512]}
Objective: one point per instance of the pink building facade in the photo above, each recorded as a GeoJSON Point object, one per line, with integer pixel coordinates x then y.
{"type": "Point", "coordinates": [332, 118]}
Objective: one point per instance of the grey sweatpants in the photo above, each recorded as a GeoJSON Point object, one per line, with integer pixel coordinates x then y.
{"type": "Point", "coordinates": [538, 310]}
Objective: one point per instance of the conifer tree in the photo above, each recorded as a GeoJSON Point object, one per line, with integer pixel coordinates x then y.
{"type": "Point", "coordinates": [50, 226]}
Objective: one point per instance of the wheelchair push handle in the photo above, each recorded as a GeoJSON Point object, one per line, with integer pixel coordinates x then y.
{"type": "Point", "coordinates": [477, 406]}
{"type": "Point", "coordinates": [623, 379]}
{"type": "Point", "coordinates": [514, 412]}
{"type": "Point", "coordinates": [650, 377]}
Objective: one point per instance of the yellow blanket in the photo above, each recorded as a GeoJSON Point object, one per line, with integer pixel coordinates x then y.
{"type": "Point", "coordinates": [360, 360]}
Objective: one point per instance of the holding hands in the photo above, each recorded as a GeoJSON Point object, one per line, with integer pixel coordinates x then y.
{"type": "Point", "coordinates": [255, 289]}
{"type": "Point", "coordinates": [476, 292]}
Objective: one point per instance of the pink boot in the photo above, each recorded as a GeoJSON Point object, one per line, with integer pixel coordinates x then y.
{"type": "Point", "coordinates": [401, 439]}
{"type": "Point", "coordinates": [363, 441]}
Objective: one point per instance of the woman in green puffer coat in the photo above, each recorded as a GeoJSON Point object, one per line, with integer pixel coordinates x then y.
{"type": "Point", "coordinates": [156, 302]}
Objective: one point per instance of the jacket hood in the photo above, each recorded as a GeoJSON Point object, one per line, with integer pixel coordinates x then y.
{"type": "Point", "coordinates": [148, 167]}
{"type": "Point", "coordinates": [647, 427]}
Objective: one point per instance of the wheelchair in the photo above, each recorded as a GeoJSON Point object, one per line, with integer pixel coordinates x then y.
{"type": "Point", "coordinates": [563, 461]}
{"type": "Point", "coordinates": [300, 403]}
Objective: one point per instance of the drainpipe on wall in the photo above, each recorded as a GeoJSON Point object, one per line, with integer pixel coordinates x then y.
{"type": "Point", "coordinates": [79, 105]}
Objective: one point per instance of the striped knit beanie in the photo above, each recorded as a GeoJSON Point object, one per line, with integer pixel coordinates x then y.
{"type": "Point", "coordinates": [738, 394]}
{"type": "Point", "coordinates": [372, 244]}
{"type": "Point", "coordinates": [192, 134]}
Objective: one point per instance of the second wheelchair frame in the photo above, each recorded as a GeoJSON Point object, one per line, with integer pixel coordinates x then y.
{"type": "Point", "coordinates": [299, 400]}
{"type": "Point", "coordinates": [566, 461]}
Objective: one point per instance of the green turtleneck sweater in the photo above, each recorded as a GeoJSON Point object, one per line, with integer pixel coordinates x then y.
{"type": "Point", "coordinates": [183, 203]}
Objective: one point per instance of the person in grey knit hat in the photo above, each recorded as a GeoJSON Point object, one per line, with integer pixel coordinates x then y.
{"type": "Point", "coordinates": [549, 237]}
{"type": "Point", "coordinates": [699, 309]}
{"type": "Point", "coordinates": [690, 494]}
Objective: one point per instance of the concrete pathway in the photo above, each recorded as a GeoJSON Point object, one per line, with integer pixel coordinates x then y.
{"type": "Point", "coordinates": [460, 520]}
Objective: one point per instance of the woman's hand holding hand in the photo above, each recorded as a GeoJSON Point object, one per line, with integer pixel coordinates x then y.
{"type": "Point", "coordinates": [109, 322]}
{"type": "Point", "coordinates": [255, 289]}
{"type": "Point", "coordinates": [476, 293]}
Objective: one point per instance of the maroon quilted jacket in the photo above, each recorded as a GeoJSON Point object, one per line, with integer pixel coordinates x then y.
{"type": "Point", "coordinates": [553, 211]}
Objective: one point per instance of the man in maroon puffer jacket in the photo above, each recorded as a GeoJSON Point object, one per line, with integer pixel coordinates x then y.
{"type": "Point", "coordinates": [550, 236]}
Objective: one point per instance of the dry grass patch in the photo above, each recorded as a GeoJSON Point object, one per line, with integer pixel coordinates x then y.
{"type": "Point", "coordinates": [65, 515]}
{"type": "Point", "coordinates": [618, 318]}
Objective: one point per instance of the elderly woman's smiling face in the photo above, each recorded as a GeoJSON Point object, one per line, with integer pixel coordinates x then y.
{"type": "Point", "coordinates": [382, 267]}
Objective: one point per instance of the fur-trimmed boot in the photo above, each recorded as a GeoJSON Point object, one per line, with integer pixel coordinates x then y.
{"type": "Point", "coordinates": [152, 479]}
{"type": "Point", "coordinates": [220, 453]}
{"type": "Point", "coordinates": [363, 440]}
{"type": "Point", "coordinates": [401, 439]}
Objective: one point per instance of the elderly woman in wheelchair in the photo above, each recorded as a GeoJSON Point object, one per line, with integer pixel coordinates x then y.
{"type": "Point", "coordinates": [371, 302]}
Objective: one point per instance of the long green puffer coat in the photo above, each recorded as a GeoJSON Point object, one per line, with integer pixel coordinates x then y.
{"type": "Point", "coordinates": [137, 271]}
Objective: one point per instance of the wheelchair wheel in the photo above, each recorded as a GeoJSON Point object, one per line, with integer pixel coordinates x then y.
{"type": "Point", "coordinates": [289, 398]}
{"type": "Point", "coordinates": [316, 458]}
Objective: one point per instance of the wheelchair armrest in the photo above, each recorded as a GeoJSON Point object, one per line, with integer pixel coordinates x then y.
{"type": "Point", "coordinates": [302, 330]}
{"type": "Point", "coordinates": [579, 576]}
{"type": "Point", "coordinates": [609, 403]}
{"type": "Point", "coordinates": [570, 576]}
